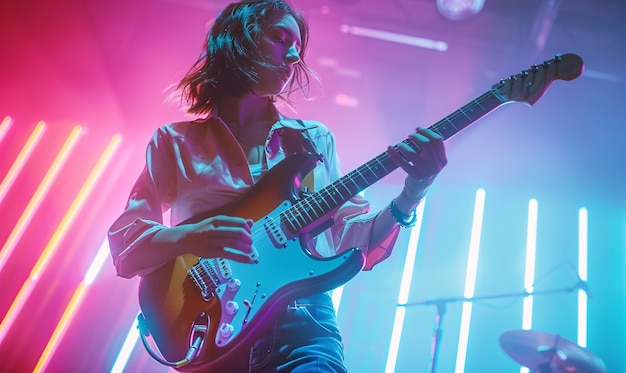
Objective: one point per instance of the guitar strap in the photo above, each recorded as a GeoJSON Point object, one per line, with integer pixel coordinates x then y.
{"type": "Point", "coordinates": [296, 141]}
{"type": "Point", "coordinates": [308, 183]}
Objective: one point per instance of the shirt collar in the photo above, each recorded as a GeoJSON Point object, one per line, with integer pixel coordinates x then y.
{"type": "Point", "coordinates": [280, 120]}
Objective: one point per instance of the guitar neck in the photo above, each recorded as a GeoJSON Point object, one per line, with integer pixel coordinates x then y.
{"type": "Point", "coordinates": [316, 205]}
{"type": "Point", "coordinates": [468, 114]}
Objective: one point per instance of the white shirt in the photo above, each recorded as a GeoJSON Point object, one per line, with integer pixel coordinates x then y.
{"type": "Point", "coordinates": [196, 167]}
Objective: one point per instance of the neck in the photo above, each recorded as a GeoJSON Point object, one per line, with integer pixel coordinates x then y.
{"type": "Point", "coordinates": [242, 113]}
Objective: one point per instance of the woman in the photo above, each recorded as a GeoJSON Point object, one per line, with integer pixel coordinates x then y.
{"type": "Point", "coordinates": [253, 57]}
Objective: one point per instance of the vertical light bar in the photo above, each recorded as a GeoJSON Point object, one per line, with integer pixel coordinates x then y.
{"type": "Point", "coordinates": [583, 242]}
{"type": "Point", "coordinates": [529, 275]}
{"type": "Point", "coordinates": [20, 161]}
{"type": "Point", "coordinates": [56, 238]}
{"type": "Point", "coordinates": [336, 297]}
{"type": "Point", "coordinates": [127, 348]}
{"type": "Point", "coordinates": [337, 293]}
{"type": "Point", "coordinates": [37, 198]}
{"type": "Point", "coordinates": [405, 287]}
{"type": "Point", "coordinates": [470, 279]}
{"type": "Point", "coordinates": [4, 126]}
{"type": "Point", "coordinates": [72, 307]}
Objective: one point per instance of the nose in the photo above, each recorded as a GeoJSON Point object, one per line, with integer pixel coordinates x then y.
{"type": "Point", "coordinates": [292, 56]}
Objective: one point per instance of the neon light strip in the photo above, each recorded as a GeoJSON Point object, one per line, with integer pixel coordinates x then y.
{"type": "Point", "coordinates": [529, 276]}
{"type": "Point", "coordinates": [336, 297]}
{"type": "Point", "coordinates": [4, 127]}
{"type": "Point", "coordinates": [405, 287]}
{"type": "Point", "coordinates": [414, 41]}
{"type": "Point", "coordinates": [36, 200]}
{"type": "Point", "coordinates": [72, 307]}
{"type": "Point", "coordinates": [470, 279]}
{"type": "Point", "coordinates": [583, 226]}
{"type": "Point", "coordinates": [21, 159]}
{"type": "Point", "coordinates": [57, 237]}
{"type": "Point", "coordinates": [127, 348]}
{"type": "Point", "coordinates": [61, 327]}
{"type": "Point", "coordinates": [337, 293]}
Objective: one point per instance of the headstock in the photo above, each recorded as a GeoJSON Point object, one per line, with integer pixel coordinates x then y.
{"type": "Point", "coordinates": [529, 85]}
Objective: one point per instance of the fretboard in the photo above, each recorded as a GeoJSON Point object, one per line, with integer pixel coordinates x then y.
{"type": "Point", "coordinates": [314, 206]}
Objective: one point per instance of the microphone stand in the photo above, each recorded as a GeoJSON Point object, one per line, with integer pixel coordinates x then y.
{"type": "Point", "coordinates": [441, 304]}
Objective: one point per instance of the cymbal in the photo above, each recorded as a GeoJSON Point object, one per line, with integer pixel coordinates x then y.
{"type": "Point", "coordinates": [545, 352]}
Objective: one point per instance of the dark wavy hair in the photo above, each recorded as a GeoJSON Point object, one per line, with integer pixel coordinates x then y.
{"type": "Point", "coordinates": [226, 66]}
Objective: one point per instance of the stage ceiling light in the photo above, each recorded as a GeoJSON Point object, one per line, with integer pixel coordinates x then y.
{"type": "Point", "coordinates": [457, 10]}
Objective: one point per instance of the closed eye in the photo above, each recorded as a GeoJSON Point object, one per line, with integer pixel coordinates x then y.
{"type": "Point", "coordinates": [281, 36]}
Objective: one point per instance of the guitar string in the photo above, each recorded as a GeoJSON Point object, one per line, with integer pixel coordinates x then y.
{"type": "Point", "coordinates": [299, 215]}
{"type": "Point", "coordinates": [323, 197]}
{"type": "Point", "coordinates": [298, 209]}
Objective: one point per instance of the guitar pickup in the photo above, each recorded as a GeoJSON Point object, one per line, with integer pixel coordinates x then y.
{"type": "Point", "coordinates": [274, 231]}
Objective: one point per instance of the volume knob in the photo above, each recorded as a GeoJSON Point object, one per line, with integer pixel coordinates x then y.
{"type": "Point", "coordinates": [226, 330]}
{"type": "Point", "coordinates": [233, 284]}
{"type": "Point", "coordinates": [231, 307]}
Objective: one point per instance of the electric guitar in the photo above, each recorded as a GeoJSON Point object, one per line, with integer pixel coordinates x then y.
{"type": "Point", "coordinates": [202, 311]}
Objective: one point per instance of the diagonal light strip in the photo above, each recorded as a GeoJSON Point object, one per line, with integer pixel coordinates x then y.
{"type": "Point", "coordinates": [72, 307]}
{"type": "Point", "coordinates": [4, 127]}
{"type": "Point", "coordinates": [38, 196]}
{"type": "Point", "coordinates": [21, 159]}
{"type": "Point", "coordinates": [414, 41]}
{"type": "Point", "coordinates": [56, 238]}
{"type": "Point", "coordinates": [127, 348]}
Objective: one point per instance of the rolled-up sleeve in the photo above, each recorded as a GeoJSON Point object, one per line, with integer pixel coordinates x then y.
{"type": "Point", "coordinates": [353, 222]}
{"type": "Point", "coordinates": [143, 215]}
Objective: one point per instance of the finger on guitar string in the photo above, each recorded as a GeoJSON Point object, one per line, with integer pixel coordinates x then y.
{"type": "Point", "coordinates": [240, 256]}
{"type": "Point", "coordinates": [397, 154]}
{"type": "Point", "coordinates": [231, 221]}
{"type": "Point", "coordinates": [237, 236]}
{"type": "Point", "coordinates": [432, 143]}
{"type": "Point", "coordinates": [209, 237]}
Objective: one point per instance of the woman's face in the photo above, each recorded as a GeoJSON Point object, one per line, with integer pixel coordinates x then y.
{"type": "Point", "coordinates": [279, 48]}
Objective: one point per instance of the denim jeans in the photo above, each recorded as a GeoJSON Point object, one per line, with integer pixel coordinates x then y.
{"type": "Point", "coordinates": [304, 339]}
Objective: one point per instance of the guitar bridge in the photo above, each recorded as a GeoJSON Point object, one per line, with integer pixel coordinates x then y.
{"type": "Point", "coordinates": [208, 274]}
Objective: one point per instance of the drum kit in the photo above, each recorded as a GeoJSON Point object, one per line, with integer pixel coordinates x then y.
{"type": "Point", "coordinates": [543, 352]}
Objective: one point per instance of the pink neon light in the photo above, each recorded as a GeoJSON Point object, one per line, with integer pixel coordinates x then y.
{"type": "Point", "coordinates": [61, 327]}
{"type": "Point", "coordinates": [74, 304]}
{"type": "Point", "coordinates": [57, 237]}
{"type": "Point", "coordinates": [23, 222]}
{"type": "Point", "coordinates": [4, 127]}
{"type": "Point", "coordinates": [37, 198]}
{"type": "Point", "coordinates": [21, 159]}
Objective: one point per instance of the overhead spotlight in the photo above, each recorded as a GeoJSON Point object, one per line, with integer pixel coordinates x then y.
{"type": "Point", "coordinates": [457, 10]}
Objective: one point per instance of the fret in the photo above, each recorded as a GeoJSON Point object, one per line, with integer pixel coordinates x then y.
{"type": "Point", "coordinates": [467, 115]}
{"type": "Point", "coordinates": [316, 207]}
{"type": "Point", "coordinates": [342, 184]}
{"type": "Point", "coordinates": [306, 210]}
{"type": "Point", "coordinates": [311, 208]}
{"type": "Point", "coordinates": [300, 218]}
{"type": "Point", "coordinates": [362, 174]}
{"type": "Point", "coordinates": [291, 220]}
